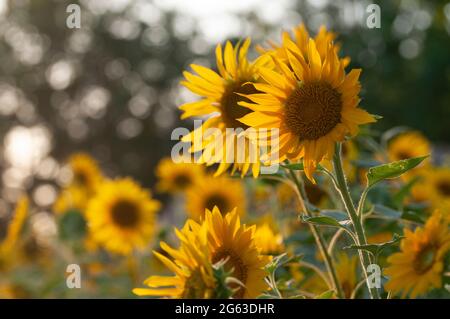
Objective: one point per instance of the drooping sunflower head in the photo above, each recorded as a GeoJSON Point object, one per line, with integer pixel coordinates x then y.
{"type": "Point", "coordinates": [190, 263]}
{"type": "Point", "coordinates": [177, 177]}
{"type": "Point", "coordinates": [8, 244]}
{"type": "Point", "coordinates": [220, 96]}
{"type": "Point", "coordinates": [209, 192]}
{"type": "Point", "coordinates": [122, 216]}
{"type": "Point", "coordinates": [408, 145]}
{"type": "Point", "coordinates": [85, 170]}
{"type": "Point", "coordinates": [311, 100]}
{"type": "Point", "coordinates": [418, 267]}
{"type": "Point", "coordinates": [235, 243]}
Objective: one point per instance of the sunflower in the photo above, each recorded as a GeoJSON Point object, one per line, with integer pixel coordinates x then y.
{"type": "Point", "coordinates": [418, 267]}
{"type": "Point", "coordinates": [235, 243]}
{"type": "Point", "coordinates": [191, 264]}
{"type": "Point", "coordinates": [221, 94]}
{"type": "Point", "coordinates": [121, 216]}
{"type": "Point", "coordinates": [311, 100]}
{"type": "Point", "coordinates": [268, 241]}
{"type": "Point", "coordinates": [209, 191]}
{"type": "Point", "coordinates": [301, 38]}
{"type": "Point", "coordinates": [85, 171]}
{"type": "Point", "coordinates": [408, 145]}
{"type": "Point", "coordinates": [177, 177]}
{"type": "Point", "coordinates": [8, 245]}
{"type": "Point", "coordinates": [434, 187]}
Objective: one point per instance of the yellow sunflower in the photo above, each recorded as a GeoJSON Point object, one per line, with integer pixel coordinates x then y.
{"type": "Point", "coordinates": [209, 191]}
{"type": "Point", "coordinates": [301, 38]}
{"type": "Point", "coordinates": [311, 100]}
{"type": "Point", "coordinates": [221, 93]}
{"type": "Point", "coordinates": [191, 264]}
{"type": "Point", "coordinates": [234, 242]}
{"type": "Point", "coordinates": [85, 170]}
{"type": "Point", "coordinates": [434, 188]}
{"type": "Point", "coordinates": [418, 267]}
{"type": "Point", "coordinates": [71, 197]}
{"type": "Point", "coordinates": [408, 145]}
{"type": "Point", "coordinates": [267, 237]}
{"type": "Point", "coordinates": [177, 177]}
{"type": "Point", "coordinates": [122, 216]}
{"type": "Point", "coordinates": [8, 245]}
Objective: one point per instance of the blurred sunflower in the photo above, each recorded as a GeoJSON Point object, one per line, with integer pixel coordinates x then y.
{"type": "Point", "coordinates": [312, 102]}
{"type": "Point", "coordinates": [234, 242]}
{"type": "Point", "coordinates": [346, 270]}
{"type": "Point", "coordinates": [408, 145]}
{"type": "Point", "coordinates": [418, 267]}
{"type": "Point", "coordinates": [193, 277]}
{"type": "Point", "coordinates": [221, 94]}
{"type": "Point", "coordinates": [324, 39]}
{"type": "Point", "coordinates": [434, 188]}
{"type": "Point", "coordinates": [208, 192]}
{"type": "Point", "coordinates": [177, 177]}
{"type": "Point", "coordinates": [86, 177]}
{"type": "Point", "coordinates": [85, 171]}
{"type": "Point", "coordinates": [8, 245]}
{"type": "Point", "coordinates": [268, 240]}
{"type": "Point", "coordinates": [122, 216]}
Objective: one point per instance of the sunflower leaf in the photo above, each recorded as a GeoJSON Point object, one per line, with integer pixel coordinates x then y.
{"type": "Point", "coordinates": [324, 221]}
{"type": "Point", "coordinates": [392, 170]}
{"type": "Point", "coordinates": [375, 249]}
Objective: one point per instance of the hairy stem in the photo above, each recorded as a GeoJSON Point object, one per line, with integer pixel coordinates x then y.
{"type": "Point", "coordinates": [320, 241]}
{"type": "Point", "coordinates": [342, 187]}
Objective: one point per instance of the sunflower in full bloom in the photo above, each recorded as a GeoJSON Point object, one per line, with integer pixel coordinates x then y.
{"type": "Point", "coordinates": [8, 245]}
{"type": "Point", "coordinates": [122, 216]}
{"type": "Point", "coordinates": [418, 267]}
{"type": "Point", "coordinates": [177, 177]}
{"type": "Point", "coordinates": [408, 145]}
{"type": "Point", "coordinates": [311, 100]}
{"type": "Point", "coordinates": [221, 93]}
{"type": "Point", "coordinates": [191, 266]}
{"type": "Point", "coordinates": [208, 192]}
{"type": "Point", "coordinates": [433, 187]}
{"type": "Point", "coordinates": [301, 38]}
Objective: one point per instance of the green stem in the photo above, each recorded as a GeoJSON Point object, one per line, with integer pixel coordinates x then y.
{"type": "Point", "coordinates": [342, 188]}
{"type": "Point", "coordinates": [320, 241]}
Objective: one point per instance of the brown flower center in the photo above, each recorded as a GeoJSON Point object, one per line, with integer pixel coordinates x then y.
{"type": "Point", "coordinates": [425, 259]}
{"type": "Point", "coordinates": [182, 181]}
{"type": "Point", "coordinates": [315, 194]}
{"type": "Point", "coordinates": [125, 214]}
{"type": "Point", "coordinates": [235, 263]}
{"type": "Point", "coordinates": [217, 200]}
{"type": "Point", "coordinates": [231, 111]}
{"type": "Point", "coordinates": [313, 110]}
{"type": "Point", "coordinates": [80, 178]}
{"type": "Point", "coordinates": [402, 155]}
{"type": "Point", "coordinates": [444, 188]}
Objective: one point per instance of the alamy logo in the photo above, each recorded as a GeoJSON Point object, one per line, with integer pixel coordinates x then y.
{"type": "Point", "coordinates": [73, 21]}
{"type": "Point", "coordinates": [74, 276]}
{"type": "Point", "coordinates": [373, 276]}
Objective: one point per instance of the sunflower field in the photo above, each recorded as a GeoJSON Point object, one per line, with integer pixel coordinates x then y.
{"type": "Point", "coordinates": [155, 153]}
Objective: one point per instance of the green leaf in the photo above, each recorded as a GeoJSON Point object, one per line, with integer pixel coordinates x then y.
{"type": "Point", "coordinates": [72, 226]}
{"type": "Point", "coordinates": [376, 249]}
{"type": "Point", "coordinates": [281, 260]}
{"type": "Point", "coordinates": [326, 295]}
{"type": "Point", "coordinates": [324, 221]}
{"type": "Point", "coordinates": [415, 216]}
{"type": "Point", "coordinates": [387, 211]}
{"type": "Point", "coordinates": [392, 170]}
